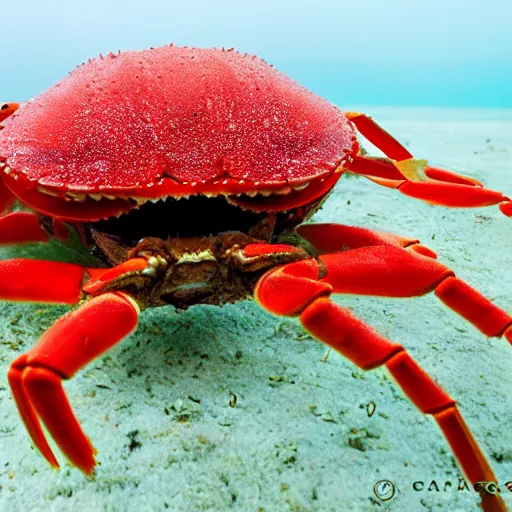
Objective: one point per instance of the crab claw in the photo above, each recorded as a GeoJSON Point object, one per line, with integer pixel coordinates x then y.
{"type": "Point", "coordinates": [36, 377]}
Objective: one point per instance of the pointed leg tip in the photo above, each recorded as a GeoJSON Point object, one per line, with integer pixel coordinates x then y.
{"type": "Point", "coordinates": [90, 473]}
{"type": "Point", "coordinates": [86, 462]}
{"type": "Point", "coordinates": [50, 458]}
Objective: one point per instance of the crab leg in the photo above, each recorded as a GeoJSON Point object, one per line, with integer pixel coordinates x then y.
{"type": "Point", "coordinates": [21, 227]}
{"type": "Point", "coordinates": [73, 341]}
{"type": "Point", "coordinates": [62, 283]}
{"type": "Point", "coordinates": [17, 227]}
{"type": "Point", "coordinates": [437, 186]}
{"type": "Point", "coordinates": [377, 264]}
{"type": "Point", "coordinates": [391, 271]}
{"type": "Point", "coordinates": [296, 289]}
{"type": "Point", "coordinates": [396, 151]}
{"type": "Point", "coordinates": [7, 110]}
{"type": "Point", "coordinates": [329, 238]}
{"type": "Point", "coordinates": [456, 195]}
{"type": "Point", "coordinates": [40, 281]}
{"type": "Point", "coordinates": [7, 199]}
{"type": "Point", "coordinates": [24, 227]}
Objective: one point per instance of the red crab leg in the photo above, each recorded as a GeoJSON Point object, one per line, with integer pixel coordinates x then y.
{"type": "Point", "coordinates": [296, 289]}
{"type": "Point", "coordinates": [25, 227]}
{"type": "Point", "coordinates": [7, 109]}
{"type": "Point", "coordinates": [455, 195]}
{"type": "Point", "coordinates": [379, 137]}
{"type": "Point", "coordinates": [40, 281]}
{"type": "Point", "coordinates": [444, 188]}
{"type": "Point", "coordinates": [7, 199]}
{"type": "Point", "coordinates": [62, 283]}
{"type": "Point", "coordinates": [329, 238]}
{"type": "Point", "coordinates": [73, 341]}
{"type": "Point", "coordinates": [396, 151]}
{"type": "Point", "coordinates": [377, 264]}
{"type": "Point", "coordinates": [21, 227]}
{"type": "Point", "coordinates": [391, 271]}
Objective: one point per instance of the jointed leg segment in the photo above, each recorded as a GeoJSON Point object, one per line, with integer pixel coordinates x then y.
{"type": "Point", "coordinates": [329, 238]}
{"type": "Point", "coordinates": [17, 227]}
{"type": "Point", "coordinates": [374, 263]}
{"type": "Point", "coordinates": [338, 328]}
{"type": "Point", "coordinates": [73, 341]}
{"type": "Point", "coordinates": [388, 267]}
{"type": "Point", "coordinates": [414, 177]}
{"type": "Point", "coordinates": [21, 227]}
{"type": "Point", "coordinates": [7, 199]}
{"type": "Point", "coordinates": [40, 281]}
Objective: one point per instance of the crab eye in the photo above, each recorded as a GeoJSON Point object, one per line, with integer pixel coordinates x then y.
{"type": "Point", "coordinates": [4, 106]}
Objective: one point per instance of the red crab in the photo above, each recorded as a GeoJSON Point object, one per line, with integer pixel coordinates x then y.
{"type": "Point", "coordinates": [186, 170]}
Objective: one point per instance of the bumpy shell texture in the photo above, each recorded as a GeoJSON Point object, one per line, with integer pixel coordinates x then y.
{"type": "Point", "coordinates": [192, 115]}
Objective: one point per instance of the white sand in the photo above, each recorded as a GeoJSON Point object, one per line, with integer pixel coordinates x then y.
{"type": "Point", "coordinates": [290, 444]}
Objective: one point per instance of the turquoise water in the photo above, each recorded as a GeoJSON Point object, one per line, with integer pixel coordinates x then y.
{"type": "Point", "coordinates": [370, 52]}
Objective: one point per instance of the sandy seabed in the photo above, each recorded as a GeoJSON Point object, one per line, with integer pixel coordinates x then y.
{"type": "Point", "coordinates": [299, 438]}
